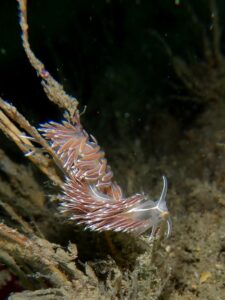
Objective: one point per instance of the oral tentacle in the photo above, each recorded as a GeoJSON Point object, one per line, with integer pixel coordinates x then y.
{"type": "Point", "coordinates": [162, 198]}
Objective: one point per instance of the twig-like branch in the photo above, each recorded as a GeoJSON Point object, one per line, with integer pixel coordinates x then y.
{"type": "Point", "coordinates": [8, 127]}
{"type": "Point", "coordinates": [216, 38]}
{"type": "Point", "coordinates": [10, 262]}
{"type": "Point", "coordinates": [207, 51]}
{"type": "Point", "coordinates": [10, 210]}
{"type": "Point", "coordinates": [40, 256]}
{"type": "Point", "coordinates": [52, 88]}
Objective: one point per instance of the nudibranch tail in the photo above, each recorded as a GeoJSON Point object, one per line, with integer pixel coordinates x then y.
{"type": "Point", "coordinates": [90, 196]}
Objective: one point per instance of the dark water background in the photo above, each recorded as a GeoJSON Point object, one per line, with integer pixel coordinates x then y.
{"type": "Point", "coordinates": [152, 75]}
{"type": "Point", "coordinates": [112, 55]}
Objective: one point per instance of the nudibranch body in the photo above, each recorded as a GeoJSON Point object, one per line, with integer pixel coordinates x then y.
{"type": "Point", "coordinates": [90, 196]}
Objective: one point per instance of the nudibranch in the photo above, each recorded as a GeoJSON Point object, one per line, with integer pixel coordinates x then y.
{"type": "Point", "coordinates": [90, 196]}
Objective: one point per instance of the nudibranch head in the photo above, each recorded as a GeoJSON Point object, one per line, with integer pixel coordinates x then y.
{"type": "Point", "coordinates": [154, 212]}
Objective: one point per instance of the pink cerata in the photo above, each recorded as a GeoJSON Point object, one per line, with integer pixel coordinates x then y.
{"type": "Point", "coordinates": [90, 196]}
